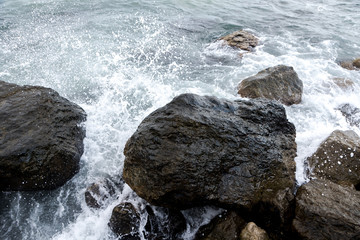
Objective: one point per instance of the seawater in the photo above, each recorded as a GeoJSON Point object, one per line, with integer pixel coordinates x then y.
{"type": "Point", "coordinates": [121, 60]}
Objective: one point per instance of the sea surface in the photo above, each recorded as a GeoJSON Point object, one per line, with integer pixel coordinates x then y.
{"type": "Point", "coordinates": [122, 59]}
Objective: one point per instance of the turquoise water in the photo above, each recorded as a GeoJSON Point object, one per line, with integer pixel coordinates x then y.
{"type": "Point", "coordinates": [120, 60]}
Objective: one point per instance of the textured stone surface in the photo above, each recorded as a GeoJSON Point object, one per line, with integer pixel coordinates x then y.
{"type": "Point", "coordinates": [351, 65]}
{"type": "Point", "coordinates": [277, 83]}
{"type": "Point", "coordinates": [227, 226]}
{"type": "Point", "coordinates": [337, 158]}
{"type": "Point", "coordinates": [351, 113]}
{"type": "Point", "coordinates": [241, 39]}
{"type": "Point", "coordinates": [253, 232]}
{"type": "Point", "coordinates": [202, 150]}
{"type": "Point", "coordinates": [41, 138]}
{"type": "Point", "coordinates": [327, 211]}
{"type": "Point", "coordinates": [97, 194]}
{"type": "Point", "coordinates": [125, 222]}
{"type": "Point", "coordinates": [356, 63]}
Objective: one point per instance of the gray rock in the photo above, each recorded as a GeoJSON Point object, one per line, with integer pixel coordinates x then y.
{"type": "Point", "coordinates": [351, 113]}
{"type": "Point", "coordinates": [279, 83]}
{"type": "Point", "coordinates": [241, 39]}
{"type": "Point", "coordinates": [337, 159]}
{"type": "Point", "coordinates": [327, 211]}
{"type": "Point", "coordinates": [125, 222]}
{"type": "Point", "coordinates": [41, 138]}
{"type": "Point", "coordinates": [202, 150]}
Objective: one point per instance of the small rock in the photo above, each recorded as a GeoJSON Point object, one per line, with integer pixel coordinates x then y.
{"type": "Point", "coordinates": [97, 193]}
{"type": "Point", "coordinates": [351, 65]}
{"type": "Point", "coordinates": [276, 83]}
{"type": "Point", "coordinates": [337, 159]}
{"type": "Point", "coordinates": [344, 83]}
{"type": "Point", "coordinates": [41, 138]}
{"type": "Point", "coordinates": [356, 63]}
{"type": "Point", "coordinates": [125, 222]}
{"type": "Point", "coordinates": [253, 232]}
{"type": "Point", "coordinates": [327, 211]}
{"type": "Point", "coordinates": [351, 113]}
{"type": "Point", "coordinates": [225, 226]}
{"type": "Point", "coordinates": [241, 39]}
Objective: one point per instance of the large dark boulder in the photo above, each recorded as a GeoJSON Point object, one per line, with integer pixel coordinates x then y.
{"type": "Point", "coordinates": [327, 211]}
{"type": "Point", "coordinates": [204, 150]}
{"type": "Point", "coordinates": [337, 159]}
{"type": "Point", "coordinates": [279, 83]}
{"type": "Point", "coordinates": [41, 138]}
{"type": "Point", "coordinates": [241, 39]}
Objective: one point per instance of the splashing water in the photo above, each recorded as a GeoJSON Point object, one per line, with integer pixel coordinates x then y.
{"type": "Point", "coordinates": [121, 60]}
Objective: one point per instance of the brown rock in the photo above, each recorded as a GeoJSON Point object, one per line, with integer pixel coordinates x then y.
{"type": "Point", "coordinates": [253, 232]}
{"type": "Point", "coordinates": [356, 63]}
{"type": "Point", "coordinates": [125, 222]}
{"type": "Point", "coordinates": [276, 83]}
{"type": "Point", "coordinates": [97, 193]}
{"type": "Point", "coordinates": [241, 39]}
{"type": "Point", "coordinates": [226, 226]}
{"type": "Point", "coordinates": [337, 159]}
{"type": "Point", "coordinates": [351, 65]}
{"type": "Point", "coordinates": [327, 211]}
{"type": "Point", "coordinates": [344, 83]}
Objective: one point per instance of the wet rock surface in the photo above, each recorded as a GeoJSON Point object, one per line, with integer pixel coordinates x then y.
{"type": "Point", "coordinates": [225, 226]}
{"type": "Point", "coordinates": [163, 223]}
{"type": "Point", "coordinates": [41, 138]}
{"type": "Point", "coordinates": [204, 150]}
{"type": "Point", "coordinates": [351, 65]}
{"type": "Point", "coordinates": [327, 211]}
{"type": "Point", "coordinates": [351, 113]}
{"type": "Point", "coordinates": [279, 83]}
{"type": "Point", "coordinates": [241, 39]}
{"type": "Point", "coordinates": [337, 159]}
{"type": "Point", "coordinates": [125, 222]}
{"type": "Point", "coordinates": [99, 192]}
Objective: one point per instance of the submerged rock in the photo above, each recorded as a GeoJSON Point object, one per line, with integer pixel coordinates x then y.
{"type": "Point", "coordinates": [225, 226]}
{"type": "Point", "coordinates": [125, 222]}
{"type": "Point", "coordinates": [97, 193]}
{"type": "Point", "coordinates": [337, 159]}
{"type": "Point", "coordinates": [41, 138]}
{"type": "Point", "coordinates": [202, 150]}
{"type": "Point", "coordinates": [241, 39]}
{"type": "Point", "coordinates": [351, 65]}
{"type": "Point", "coordinates": [327, 211]}
{"type": "Point", "coordinates": [276, 83]}
{"type": "Point", "coordinates": [344, 83]}
{"type": "Point", "coordinates": [351, 113]}
{"type": "Point", "coordinates": [253, 232]}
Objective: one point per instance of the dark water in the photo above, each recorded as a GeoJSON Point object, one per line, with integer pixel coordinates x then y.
{"type": "Point", "coordinates": [120, 60]}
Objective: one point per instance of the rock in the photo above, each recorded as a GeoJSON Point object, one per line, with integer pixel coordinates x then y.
{"type": "Point", "coordinates": [41, 138]}
{"type": "Point", "coordinates": [225, 226]}
{"type": "Point", "coordinates": [204, 150]}
{"type": "Point", "coordinates": [97, 193]}
{"type": "Point", "coordinates": [344, 83]}
{"type": "Point", "coordinates": [327, 211]}
{"type": "Point", "coordinates": [337, 159]}
{"type": "Point", "coordinates": [351, 113]}
{"type": "Point", "coordinates": [165, 224]}
{"type": "Point", "coordinates": [356, 63]}
{"type": "Point", "coordinates": [125, 222]}
{"type": "Point", "coordinates": [276, 83]}
{"type": "Point", "coordinates": [351, 65]}
{"type": "Point", "coordinates": [253, 232]}
{"type": "Point", "coordinates": [241, 39]}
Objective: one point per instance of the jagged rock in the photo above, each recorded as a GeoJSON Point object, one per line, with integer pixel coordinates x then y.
{"type": "Point", "coordinates": [337, 159]}
{"type": "Point", "coordinates": [327, 211]}
{"type": "Point", "coordinates": [276, 83]}
{"type": "Point", "coordinates": [253, 232]}
{"type": "Point", "coordinates": [41, 138]}
{"type": "Point", "coordinates": [225, 226]}
{"type": "Point", "coordinates": [97, 193]}
{"type": "Point", "coordinates": [202, 150]}
{"type": "Point", "coordinates": [165, 224]}
{"type": "Point", "coordinates": [125, 222]}
{"type": "Point", "coordinates": [351, 113]}
{"type": "Point", "coordinates": [241, 39]}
